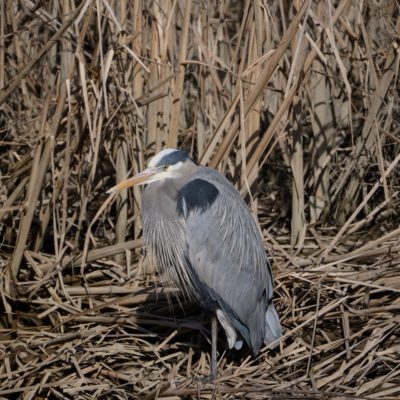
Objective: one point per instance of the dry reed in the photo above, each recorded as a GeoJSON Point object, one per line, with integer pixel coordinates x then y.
{"type": "Point", "coordinates": [296, 102]}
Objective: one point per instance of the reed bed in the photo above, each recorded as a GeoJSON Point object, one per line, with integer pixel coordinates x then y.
{"type": "Point", "coordinates": [297, 103]}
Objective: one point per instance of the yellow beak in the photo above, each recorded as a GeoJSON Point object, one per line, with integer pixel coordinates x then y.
{"type": "Point", "coordinates": [147, 176]}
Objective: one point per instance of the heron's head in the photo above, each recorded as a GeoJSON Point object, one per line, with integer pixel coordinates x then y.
{"type": "Point", "coordinates": [168, 163]}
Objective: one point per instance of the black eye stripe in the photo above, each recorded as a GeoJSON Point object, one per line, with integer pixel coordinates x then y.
{"type": "Point", "coordinates": [173, 158]}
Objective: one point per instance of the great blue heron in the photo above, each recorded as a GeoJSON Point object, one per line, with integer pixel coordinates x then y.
{"type": "Point", "coordinates": [204, 240]}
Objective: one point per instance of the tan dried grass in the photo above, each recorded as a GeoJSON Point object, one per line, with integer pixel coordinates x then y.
{"type": "Point", "coordinates": [297, 104]}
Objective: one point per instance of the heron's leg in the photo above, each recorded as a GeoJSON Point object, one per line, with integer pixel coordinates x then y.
{"type": "Point", "coordinates": [213, 374]}
{"type": "Point", "coordinates": [213, 367]}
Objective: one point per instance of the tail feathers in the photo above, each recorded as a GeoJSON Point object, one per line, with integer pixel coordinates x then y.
{"type": "Point", "coordinates": [273, 329]}
{"type": "Point", "coordinates": [231, 334]}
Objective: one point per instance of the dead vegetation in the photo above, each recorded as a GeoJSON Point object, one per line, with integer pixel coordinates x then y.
{"type": "Point", "coordinates": [296, 102]}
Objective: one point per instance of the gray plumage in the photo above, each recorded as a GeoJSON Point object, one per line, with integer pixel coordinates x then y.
{"type": "Point", "coordinates": [204, 240]}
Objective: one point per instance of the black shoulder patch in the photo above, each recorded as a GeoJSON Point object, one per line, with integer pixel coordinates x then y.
{"type": "Point", "coordinates": [173, 158]}
{"type": "Point", "coordinates": [198, 194]}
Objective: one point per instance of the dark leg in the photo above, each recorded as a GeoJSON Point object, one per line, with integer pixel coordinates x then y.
{"type": "Point", "coordinates": [213, 374]}
{"type": "Point", "coordinates": [213, 367]}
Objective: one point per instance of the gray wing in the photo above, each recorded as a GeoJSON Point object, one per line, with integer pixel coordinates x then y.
{"type": "Point", "coordinates": [226, 252]}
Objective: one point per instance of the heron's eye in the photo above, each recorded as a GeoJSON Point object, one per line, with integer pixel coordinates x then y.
{"type": "Point", "coordinates": [166, 167]}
